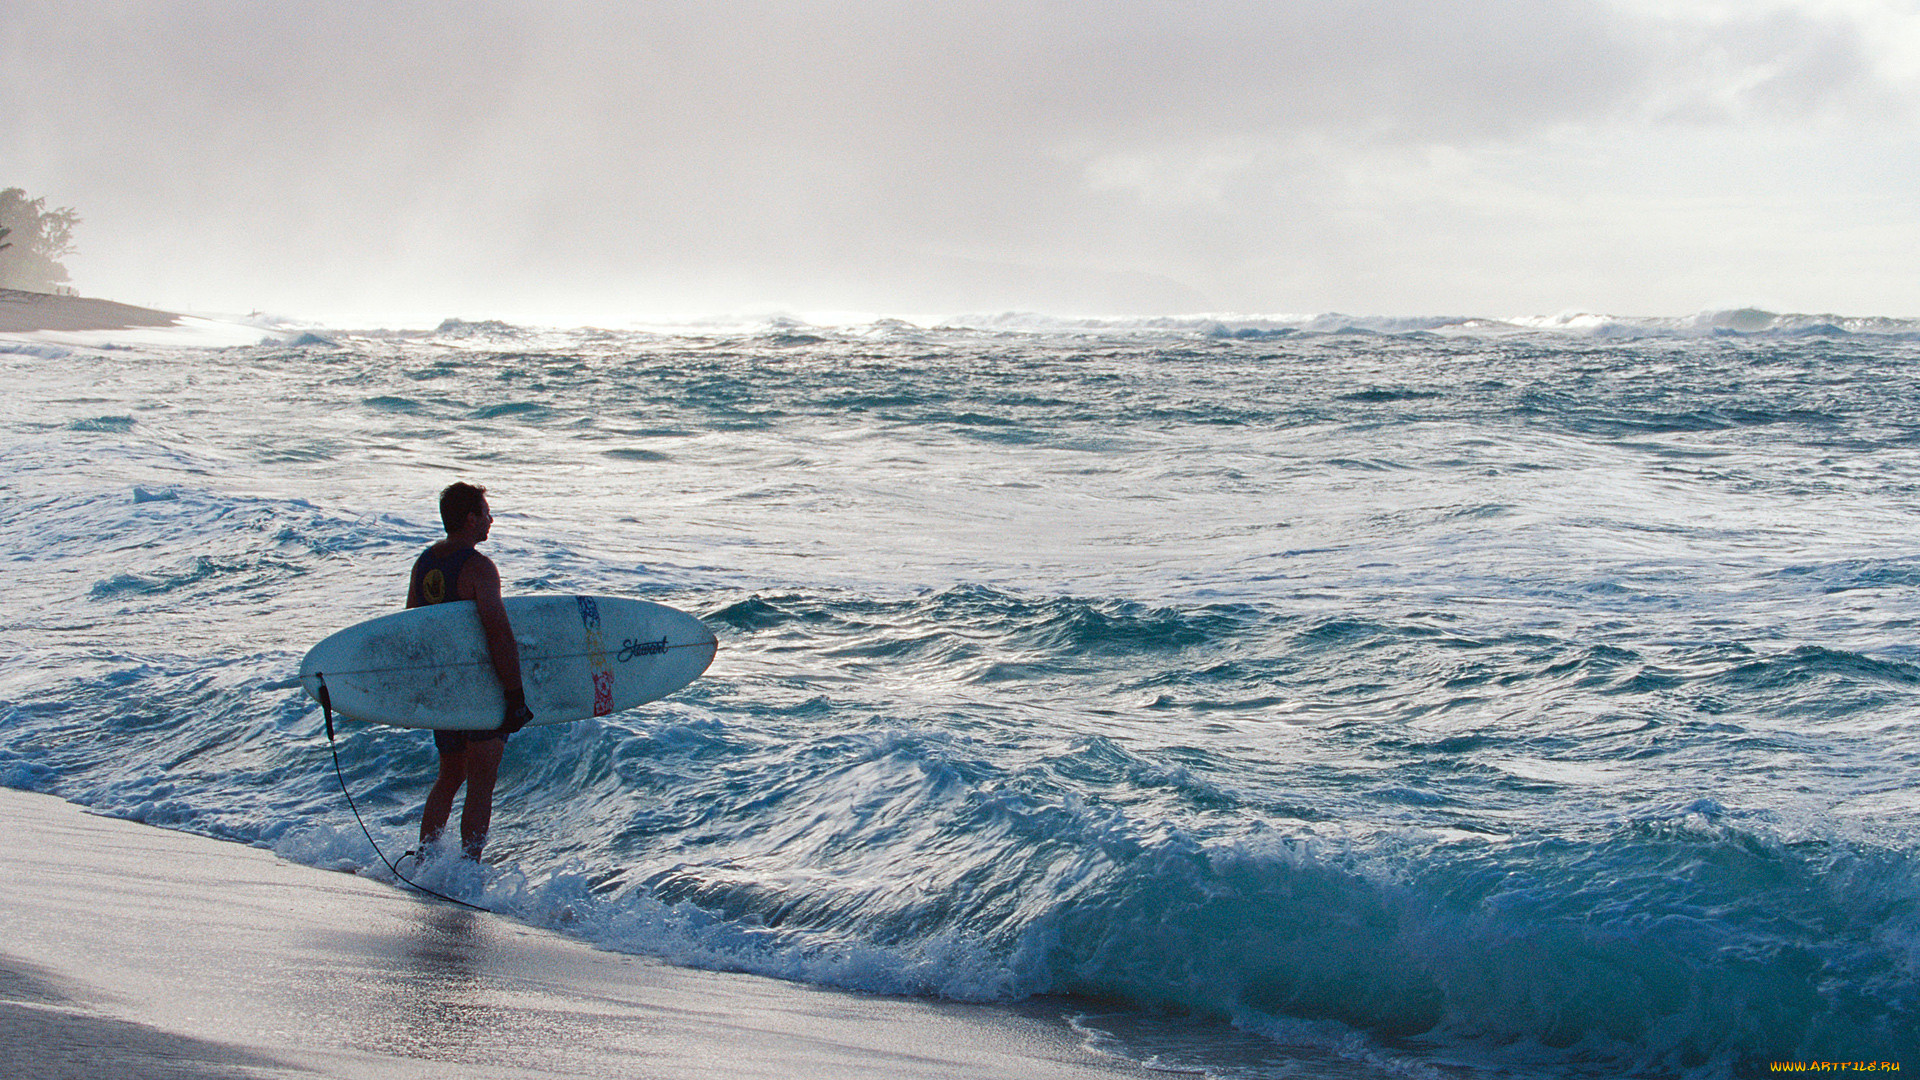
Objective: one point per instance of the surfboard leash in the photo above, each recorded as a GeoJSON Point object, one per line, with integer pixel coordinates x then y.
{"type": "Point", "coordinates": [326, 706]}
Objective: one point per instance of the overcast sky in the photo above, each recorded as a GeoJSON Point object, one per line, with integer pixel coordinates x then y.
{"type": "Point", "coordinates": [598, 160]}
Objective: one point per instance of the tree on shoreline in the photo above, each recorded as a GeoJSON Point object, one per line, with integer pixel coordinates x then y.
{"type": "Point", "coordinates": [33, 240]}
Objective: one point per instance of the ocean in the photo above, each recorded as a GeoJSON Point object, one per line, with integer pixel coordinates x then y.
{"type": "Point", "coordinates": [1280, 697]}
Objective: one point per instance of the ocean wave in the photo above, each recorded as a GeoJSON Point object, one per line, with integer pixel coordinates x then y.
{"type": "Point", "coordinates": [35, 350]}
{"type": "Point", "coordinates": [1679, 942]}
{"type": "Point", "coordinates": [491, 329]}
{"type": "Point", "coordinates": [105, 425]}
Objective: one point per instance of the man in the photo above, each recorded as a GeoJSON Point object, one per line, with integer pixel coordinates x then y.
{"type": "Point", "coordinates": [448, 571]}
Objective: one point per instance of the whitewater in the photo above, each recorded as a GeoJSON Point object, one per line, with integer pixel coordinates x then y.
{"type": "Point", "coordinates": [1324, 697]}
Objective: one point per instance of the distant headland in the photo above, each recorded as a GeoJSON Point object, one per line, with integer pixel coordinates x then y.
{"type": "Point", "coordinates": [24, 312]}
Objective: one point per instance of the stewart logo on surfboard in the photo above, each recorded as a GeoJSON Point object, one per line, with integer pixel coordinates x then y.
{"type": "Point", "coordinates": [631, 648]}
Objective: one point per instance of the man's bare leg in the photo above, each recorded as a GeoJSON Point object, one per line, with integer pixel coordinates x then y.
{"type": "Point", "coordinates": [476, 815]}
{"type": "Point", "coordinates": [453, 773]}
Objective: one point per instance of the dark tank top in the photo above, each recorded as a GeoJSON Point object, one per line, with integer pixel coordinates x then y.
{"type": "Point", "coordinates": [436, 577]}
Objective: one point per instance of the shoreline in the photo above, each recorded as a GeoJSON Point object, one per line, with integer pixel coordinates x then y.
{"type": "Point", "coordinates": [136, 951]}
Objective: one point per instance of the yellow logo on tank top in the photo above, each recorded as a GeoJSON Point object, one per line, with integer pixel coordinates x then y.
{"type": "Point", "coordinates": [434, 586]}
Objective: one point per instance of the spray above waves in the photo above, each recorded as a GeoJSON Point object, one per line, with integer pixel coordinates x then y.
{"type": "Point", "coordinates": [796, 331]}
{"type": "Point", "coordinates": [820, 329]}
{"type": "Point", "coordinates": [1713, 323]}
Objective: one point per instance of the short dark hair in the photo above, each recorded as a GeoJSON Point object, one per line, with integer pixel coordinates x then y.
{"type": "Point", "coordinates": [457, 501]}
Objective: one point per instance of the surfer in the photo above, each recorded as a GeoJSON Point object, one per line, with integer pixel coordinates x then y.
{"type": "Point", "coordinates": [452, 570]}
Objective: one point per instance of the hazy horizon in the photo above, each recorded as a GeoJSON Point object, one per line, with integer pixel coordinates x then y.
{"type": "Point", "coordinates": [1479, 157]}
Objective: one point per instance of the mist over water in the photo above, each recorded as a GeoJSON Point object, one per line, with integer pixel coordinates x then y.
{"type": "Point", "coordinates": [583, 162]}
{"type": "Point", "coordinates": [1418, 698]}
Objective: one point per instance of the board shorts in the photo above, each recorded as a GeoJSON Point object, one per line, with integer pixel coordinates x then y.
{"type": "Point", "coordinates": [454, 742]}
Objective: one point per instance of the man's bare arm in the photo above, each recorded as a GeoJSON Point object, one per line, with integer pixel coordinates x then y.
{"type": "Point", "coordinates": [484, 579]}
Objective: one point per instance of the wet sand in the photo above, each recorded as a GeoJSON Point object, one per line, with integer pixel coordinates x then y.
{"type": "Point", "coordinates": [133, 952]}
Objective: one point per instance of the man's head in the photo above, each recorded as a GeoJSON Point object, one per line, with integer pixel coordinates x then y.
{"type": "Point", "coordinates": [460, 501]}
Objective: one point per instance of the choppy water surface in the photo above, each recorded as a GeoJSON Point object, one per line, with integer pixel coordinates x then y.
{"type": "Point", "coordinates": [1505, 702]}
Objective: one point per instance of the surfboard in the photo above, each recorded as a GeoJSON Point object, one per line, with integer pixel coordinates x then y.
{"type": "Point", "coordinates": [580, 656]}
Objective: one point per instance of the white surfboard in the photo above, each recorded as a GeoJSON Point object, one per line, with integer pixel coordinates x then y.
{"type": "Point", "coordinates": [580, 656]}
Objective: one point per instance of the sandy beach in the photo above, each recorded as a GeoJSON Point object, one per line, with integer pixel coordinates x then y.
{"type": "Point", "coordinates": [32, 312]}
{"type": "Point", "coordinates": [136, 952]}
